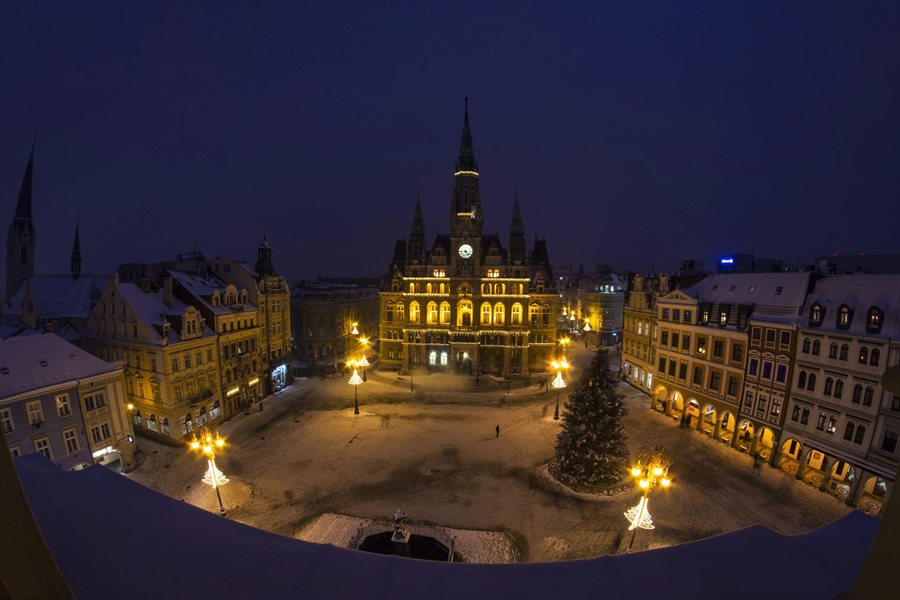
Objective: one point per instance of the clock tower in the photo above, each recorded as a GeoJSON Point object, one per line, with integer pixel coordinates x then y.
{"type": "Point", "coordinates": [466, 219]}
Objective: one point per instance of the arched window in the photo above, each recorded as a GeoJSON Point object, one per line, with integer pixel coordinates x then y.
{"type": "Point", "coordinates": [806, 345]}
{"type": "Point", "coordinates": [811, 382]}
{"type": "Point", "coordinates": [816, 314]}
{"type": "Point", "coordinates": [801, 380]}
{"type": "Point", "coordinates": [499, 314]}
{"type": "Point", "coordinates": [848, 431]}
{"type": "Point", "coordinates": [486, 314]}
{"type": "Point", "coordinates": [874, 357]}
{"type": "Point", "coordinates": [829, 383]}
{"type": "Point", "coordinates": [464, 313]}
{"type": "Point", "coordinates": [413, 312]}
{"type": "Point", "coordinates": [833, 350]}
{"type": "Point", "coordinates": [534, 313]}
{"type": "Point", "coordinates": [863, 355]}
{"type": "Point", "coordinates": [401, 311]}
{"type": "Point", "coordinates": [412, 288]}
{"type": "Point", "coordinates": [432, 313]}
{"type": "Point", "coordinates": [502, 288]}
{"type": "Point", "coordinates": [845, 351]}
{"type": "Point", "coordinates": [868, 396]}
{"type": "Point", "coordinates": [844, 314]}
{"type": "Point", "coordinates": [516, 314]}
{"type": "Point", "coordinates": [485, 288]}
{"type": "Point", "coordinates": [443, 288]}
{"type": "Point", "coordinates": [188, 424]}
{"type": "Point", "coordinates": [216, 411]}
{"type": "Point", "coordinates": [445, 313]}
{"type": "Point", "coordinates": [838, 388]}
{"type": "Point", "coordinates": [857, 393]}
{"type": "Point", "coordinates": [428, 288]}
{"type": "Point", "coordinates": [201, 418]}
{"type": "Point", "coordinates": [860, 434]}
{"type": "Point", "coordinates": [817, 347]}
{"type": "Point", "coordinates": [165, 426]}
{"type": "Point", "coordinates": [874, 317]}
{"type": "Point", "coordinates": [151, 423]}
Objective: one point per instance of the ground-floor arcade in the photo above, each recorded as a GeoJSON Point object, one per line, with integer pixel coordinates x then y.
{"type": "Point", "coordinates": [840, 476]}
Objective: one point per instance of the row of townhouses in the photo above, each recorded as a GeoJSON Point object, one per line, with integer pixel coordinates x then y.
{"type": "Point", "coordinates": [787, 366]}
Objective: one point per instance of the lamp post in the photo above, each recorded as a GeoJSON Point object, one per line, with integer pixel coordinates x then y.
{"type": "Point", "coordinates": [651, 469]}
{"type": "Point", "coordinates": [355, 381]}
{"type": "Point", "coordinates": [207, 444]}
{"type": "Point", "coordinates": [574, 324]}
{"type": "Point", "coordinates": [564, 342]}
{"type": "Point", "coordinates": [558, 383]}
{"type": "Point", "coordinates": [364, 342]}
{"type": "Point", "coordinates": [587, 329]}
{"type": "Point", "coordinates": [355, 330]}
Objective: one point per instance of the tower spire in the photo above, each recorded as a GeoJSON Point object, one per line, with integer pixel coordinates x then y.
{"type": "Point", "coordinates": [417, 234]}
{"type": "Point", "coordinates": [20, 238]}
{"type": "Point", "coordinates": [466, 162]}
{"type": "Point", "coordinates": [75, 263]}
{"type": "Point", "coordinates": [517, 233]}
{"type": "Point", "coordinates": [23, 206]}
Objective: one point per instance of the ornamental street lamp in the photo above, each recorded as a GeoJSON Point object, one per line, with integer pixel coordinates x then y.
{"type": "Point", "coordinates": [564, 342]}
{"type": "Point", "coordinates": [355, 330]}
{"type": "Point", "coordinates": [207, 444]}
{"type": "Point", "coordinates": [355, 381]}
{"type": "Point", "coordinates": [558, 383]}
{"type": "Point", "coordinates": [652, 469]}
{"type": "Point", "coordinates": [364, 342]}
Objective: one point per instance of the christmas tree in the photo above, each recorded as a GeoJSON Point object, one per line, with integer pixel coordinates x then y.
{"type": "Point", "coordinates": [590, 448]}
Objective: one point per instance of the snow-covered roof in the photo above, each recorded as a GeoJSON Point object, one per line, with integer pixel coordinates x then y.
{"type": "Point", "coordinates": [59, 296]}
{"type": "Point", "coordinates": [150, 308]}
{"type": "Point", "coordinates": [8, 331]}
{"type": "Point", "coordinates": [860, 292]}
{"type": "Point", "coordinates": [201, 288]}
{"type": "Point", "coordinates": [87, 517]}
{"type": "Point", "coordinates": [31, 362]}
{"type": "Point", "coordinates": [775, 292]}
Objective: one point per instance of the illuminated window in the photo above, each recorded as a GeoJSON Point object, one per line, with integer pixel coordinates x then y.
{"type": "Point", "coordinates": [445, 313]}
{"type": "Point", "coordinates": [874, 319]}
{"type": "Point", "coordinates": [412, 288]}
{"type": "Point", "coordinates": [486, 314]}
{"type": "Point", "coordinates": [432, 313]}
{"type": "Point", "coordinates": [428, 288]}
{"type": "Point", "coordinates": [413, 312]}
{"type": "Point", "coordinates": [499, 314]}
{"type": "Point", "coordinates": [516, 314]}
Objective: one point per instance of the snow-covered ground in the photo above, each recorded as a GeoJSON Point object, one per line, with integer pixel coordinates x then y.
{"type": "Point", "coordinates": [434, 454]}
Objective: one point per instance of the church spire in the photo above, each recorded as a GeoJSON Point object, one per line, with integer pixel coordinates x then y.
{"type": "Point", "coordinates": [23, 206]}
{"type": "Point", "coordinates": [20, 238]}
{"type": "Point", "coordinates": [517, 234]}
{"type": "Point", "coordinates": [75, 263]}
{"type": "Point", "coordinates": [417, 235]}
{"type": "Point", "coordinates": [466, 162]}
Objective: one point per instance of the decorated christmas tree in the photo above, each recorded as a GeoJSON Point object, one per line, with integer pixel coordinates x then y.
{"type": "Point", "coordinates": [590, 448]}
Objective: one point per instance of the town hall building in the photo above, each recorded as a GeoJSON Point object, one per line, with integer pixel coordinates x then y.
{"type": "Point", "coordinates": [468, 304]}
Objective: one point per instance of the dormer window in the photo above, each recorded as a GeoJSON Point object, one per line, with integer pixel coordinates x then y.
{"type": "Point", "coordinates": [816, 314]}
{"type": "Point", "coordinates": [844, 316]}
{"type": "Point", "coordinates": [873, 320]}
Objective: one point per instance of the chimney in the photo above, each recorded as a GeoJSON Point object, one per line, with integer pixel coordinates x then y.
{"type": "Point", "coordinates": [145, 285]}
{"type": "Point", "coordinates": [167, 290]}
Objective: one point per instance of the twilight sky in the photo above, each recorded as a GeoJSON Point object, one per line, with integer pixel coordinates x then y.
{"type": "Point", "coordinates": [637, 133]}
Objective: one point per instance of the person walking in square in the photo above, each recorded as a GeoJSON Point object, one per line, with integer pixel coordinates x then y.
{"type": "Point", "coordinates": [497, 429]}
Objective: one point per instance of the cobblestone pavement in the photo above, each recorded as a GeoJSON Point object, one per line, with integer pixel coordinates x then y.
{"type": "Point", "coordinates": [434, 453]}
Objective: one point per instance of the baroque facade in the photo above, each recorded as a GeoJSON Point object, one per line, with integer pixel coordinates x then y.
{"type": "Point", "coordinates": [468, 304]}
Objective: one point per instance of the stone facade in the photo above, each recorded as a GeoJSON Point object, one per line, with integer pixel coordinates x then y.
{"type": "Point", "coordinates": [468, 304]}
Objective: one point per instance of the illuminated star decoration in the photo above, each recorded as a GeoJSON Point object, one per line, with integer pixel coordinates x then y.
{"type": "Point", "coordinates": [213, 476]}
{"type": "Point", "coordinates": [638, 516]}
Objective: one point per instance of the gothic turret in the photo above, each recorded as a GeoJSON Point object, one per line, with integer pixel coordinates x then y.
{"type": "Point", "coordinates": [517, 251]}
{"type": "Point", "coordinates": [465, 212]}
{"type": "Point", "coordinates": [20, 238]}
{"type": "Point", "coordinates": [75, 263]}
{"type": "Point", "coordinates": [417, 236]}
{"type": "Point", "coordinates": [264, 265]}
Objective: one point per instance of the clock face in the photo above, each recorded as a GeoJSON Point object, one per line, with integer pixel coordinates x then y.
{"type": "Point", "coordinates": [465, 250]}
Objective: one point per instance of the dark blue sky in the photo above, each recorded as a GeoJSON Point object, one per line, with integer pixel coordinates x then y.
{"type": "Point", "coordinates": [637, 133]}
